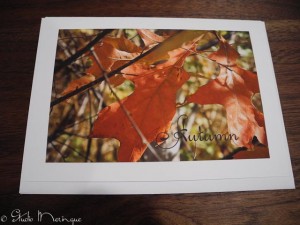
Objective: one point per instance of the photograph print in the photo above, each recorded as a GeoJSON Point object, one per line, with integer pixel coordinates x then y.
{"type": "Point", "coordinates": [144, 95]}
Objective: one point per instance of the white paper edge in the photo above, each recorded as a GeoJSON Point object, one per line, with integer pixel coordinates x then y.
{"type": "Point", "coordinates": [36, 171]}
{"type": "Point", "coordinates": [158, 187]}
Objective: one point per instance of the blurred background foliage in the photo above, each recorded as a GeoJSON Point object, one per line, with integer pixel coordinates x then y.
{"type": "Point", "coordinates": [71, 121]}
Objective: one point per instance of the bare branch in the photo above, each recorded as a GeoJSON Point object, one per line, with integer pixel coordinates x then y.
{"type": "Point", "coordinates": [127, 114]}
{"type": "Point", "coordinates": [73, 149]}
{"type": "Point", "coordinates": [61, 156]}
{"type": "Point", "coordinates": [235, 151]}
{"type": "Point", "coordinates": [72, 58]}
{"type": "Point", "coordinates": [100, 79]}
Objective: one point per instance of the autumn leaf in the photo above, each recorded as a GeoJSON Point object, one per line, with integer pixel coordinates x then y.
{"type": "Point", "coordinates": [149, 38]}
{"type": "Point", "coordinates": [226, 55]}
{"type": "Point", "coordinates": [173, 42]}
{"type": "Point", "coordinates": [115, 52]}
{"type": "Point", "coordinates": [145, 109]}
{"type": "Point", "coordinates": [249, 78]}
{"type": "Point", "coordinates": [241, 114]}
{"type": "Point", "coordinates": [75, 84]}
{"type": "Point", "coordinates": [233, 89]}
{"type": "Point", "coordinates": [152, 106]}
{"type": "Point", "coordinates": [122, 44]}
{"type": "Point", "coordinates": [116, 80]}
{"type": "Point", "coordinates": [257, 153]}
{"type": "Point", "coordinates": [112, 53]}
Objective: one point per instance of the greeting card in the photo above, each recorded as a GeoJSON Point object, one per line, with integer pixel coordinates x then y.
{"type": "Point", "coordinates": [154, 105]}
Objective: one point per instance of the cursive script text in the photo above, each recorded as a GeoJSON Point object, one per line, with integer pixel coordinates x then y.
{"type": "Point", "coordinates": [181, 134]}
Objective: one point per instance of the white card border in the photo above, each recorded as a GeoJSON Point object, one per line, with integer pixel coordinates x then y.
{"type": "Point", "coordinates": [36, 171]}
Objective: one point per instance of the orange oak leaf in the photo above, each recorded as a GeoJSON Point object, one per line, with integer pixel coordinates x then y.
{"type": "Point", "coordinates": [173, 42]}
{"type": "Point", "coordinates": [152, 106]}
{"type": "Point", "coordinates": [109, 51]}
{"type": "Point", "coordinates": [149, 37]}
{"type": "Point", "coordinates": [115, 52]}
{"type": "Point", "coordinates": [226, 55]}
{"type": "Point", "coordinates": [75, 84]}
{"type": "Point", "coordinates": [112, 53]}
{"type": "Point", "coordinates": [249, 77]}
{"type": "Point", "coordinates": [233, 89]}
{"type": "Point", "coordinates": [240, 112]}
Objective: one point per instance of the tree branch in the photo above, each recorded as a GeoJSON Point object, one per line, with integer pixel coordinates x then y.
{"type": "Point", "coordinates": [100, 79]}
{"type": "Point", "coordinates": [61, 155]}
{"type": "Point", "coordinates": [57, 132]}
{"type": "Point", "coordinates": [72, 58]}
{"type": "Point", "coordinates": [235, 151]}
{"type": "Point", "coordinates": [127, 113]}
{"type": "Point", "coordinates": [73, 149]}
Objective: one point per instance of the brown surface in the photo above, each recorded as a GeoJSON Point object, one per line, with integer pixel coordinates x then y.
{"type": "Point", "coordinates": [20, 22]}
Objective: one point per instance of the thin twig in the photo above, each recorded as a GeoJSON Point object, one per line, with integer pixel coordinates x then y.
{"type": "Point", "coordinates": [127, 114]}
{"type": "Point", "coordinates": [56, 149]}
{"type": "Point", "coordinates": [58, 130]}
{"type": "Point", "coordinates": [73, 134]}
{"type": "Point", "coordinates": [235, 151]}
{"type": "Point", "coordinates": [72, 58]}
{"type": "Point", "coordinates": [88, 150]}
{"type": "Point", "coordinates": [78, 122]}
{"type": "Point", "coordinates": [100, 79]}
{"type": "Point", "coordinates": [228, 67]}
{"type": "Point", "coordinates": [73, 37]}
{"type": "Point", "coordinates": [73, 149]}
